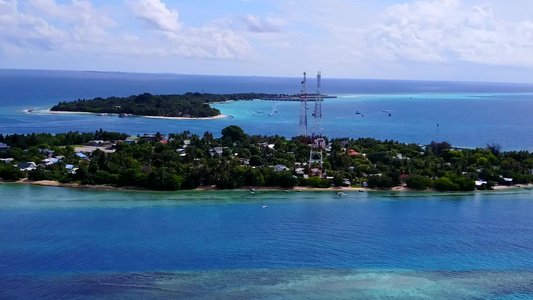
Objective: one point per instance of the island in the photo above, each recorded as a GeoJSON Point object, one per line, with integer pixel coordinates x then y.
{"type": "Point", "coordinates": [234, 160]}
{"type": "Point", "coordinates": [189, 105]}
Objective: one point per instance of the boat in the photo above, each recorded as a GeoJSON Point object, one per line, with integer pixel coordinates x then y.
{"type": "Point", "coordinates": [271, 114]}
{"type": "Point", "coordinates": [102, 114]}
{"type": "Point", "coordinates": [122, 115]}
{"type": "Point", "coordinates": [340, 194]}
{"type": "Point", "coordinates": [264, 206]}
{"type": "Point", "coordinates": [390, 115]}
{"type": "Point", "coordinates": [357, 112]}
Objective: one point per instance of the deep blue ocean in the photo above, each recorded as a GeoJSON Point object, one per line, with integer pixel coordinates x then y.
{"type": "Point", "coordinates": [74, 244]}
{"type": "Point", "coordinates": [468, 114]}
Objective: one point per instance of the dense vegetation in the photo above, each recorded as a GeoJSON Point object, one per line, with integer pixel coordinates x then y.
{"type": "Point", "coordinates": [188, 161]}
{"type": "Point", "coordinates": [195, 105]}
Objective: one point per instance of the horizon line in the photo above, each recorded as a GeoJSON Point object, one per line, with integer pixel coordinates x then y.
{"type": "Point", "coordinates": [263, 76]}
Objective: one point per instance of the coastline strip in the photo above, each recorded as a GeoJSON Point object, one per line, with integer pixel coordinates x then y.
{"type": "Point", "coordinates": [134, 116]}
{"type": "Point", "coordinates": [264, 188]}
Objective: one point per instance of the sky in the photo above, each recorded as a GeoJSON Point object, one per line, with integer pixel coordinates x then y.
{"type": "Point", "coordinates": [463, 40]}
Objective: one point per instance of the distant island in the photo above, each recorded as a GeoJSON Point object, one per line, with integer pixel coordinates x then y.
{"type": "Point", "coordinates": [235, 160]}
{"type": "Point", "coordinates": [189, 105]}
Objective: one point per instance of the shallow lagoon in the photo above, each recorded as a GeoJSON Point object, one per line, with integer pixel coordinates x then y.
{"type": "Point", "coordinates": [100, 244]}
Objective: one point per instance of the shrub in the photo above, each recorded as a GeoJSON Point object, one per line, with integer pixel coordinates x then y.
{"type": "Point", "coordinates": [445, 184]}
{"type": "Point", "coordinates": [318, 182]}
{"type": "Point", "coordinates": [380, 182]}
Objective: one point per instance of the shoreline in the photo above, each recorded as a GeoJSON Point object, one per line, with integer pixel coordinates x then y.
{"type": "Point", "coordinates": [221, 116]}
{"type": "Point", "coordinates": [50, 183]}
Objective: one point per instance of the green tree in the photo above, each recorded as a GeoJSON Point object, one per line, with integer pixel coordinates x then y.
{"type": "Point", "coordinates": [380, 182]}
{"type": "Point", "coordinates": [8, 172]}
{"type": "Point", "coordinates": [234, 133]}
{"type": "Point", "coordinates": [285, 179]}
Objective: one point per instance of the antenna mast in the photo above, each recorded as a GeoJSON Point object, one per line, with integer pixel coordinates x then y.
{"type": "Point", "coordinates": [303, 109]}
{"type": "Point", "coordinates": [316, 161]}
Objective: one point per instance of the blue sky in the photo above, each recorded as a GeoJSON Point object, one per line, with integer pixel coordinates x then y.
{"type": "Point", "coordinates": [466, 40]}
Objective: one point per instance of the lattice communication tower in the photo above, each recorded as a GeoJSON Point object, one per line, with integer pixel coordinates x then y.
{"type": "Point", "coordinates": [303, 109]}
{"type": "Point", "coordinates": [316, 161]}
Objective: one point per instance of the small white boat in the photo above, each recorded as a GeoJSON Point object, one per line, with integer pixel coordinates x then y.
{"type": "Point", "coordinates": [264, 206]}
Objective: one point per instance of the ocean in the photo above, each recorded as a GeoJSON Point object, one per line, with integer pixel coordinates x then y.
{"type": "Point", "coordinates": [62, 243]}
{"type": "Point", "coordinates": [468, 114]}
{"type": "Point", "coordinates": [59, 243]}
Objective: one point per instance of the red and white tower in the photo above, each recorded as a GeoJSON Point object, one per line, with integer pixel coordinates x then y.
{"type": "Point", "coordinates": [316, 161]}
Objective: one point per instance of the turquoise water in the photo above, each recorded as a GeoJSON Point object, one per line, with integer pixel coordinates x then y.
{"type": "Point", "coordinates": [67, 243]}
{"type": "Point", "coordinates": [468, 114]}
{"type": "Point", "coordinates": [465, 120]}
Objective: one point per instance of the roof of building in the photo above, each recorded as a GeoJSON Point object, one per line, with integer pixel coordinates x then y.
{"type": "Point", "coordinates": [81, 155]}
{"type": "Point", "coordinates": [353, 152]}
{"type": "Point", "coordinates": [25, 165]}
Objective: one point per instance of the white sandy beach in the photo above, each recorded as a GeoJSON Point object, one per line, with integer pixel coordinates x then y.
{"type": "Point", "coordinates": [182, 118]}
{"type": "Point", "coordinates": [149, 117]}
{"type": "Point", "coordinates": [66, 112]}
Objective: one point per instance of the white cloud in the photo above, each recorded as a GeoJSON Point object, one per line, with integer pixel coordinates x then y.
{"type": "Point", "coordinates": [447, 31]}
{"type": "Point", "coordinates": [255, 23]}
{"type": "Point", "coordinates": [83, 29]}
{"type": "Point", "coordinates": [156, 14]}
{"type": "Point", "coordinates": [208, 42]}
{"type": "Point", "coordinates": [266, 32]}
{"type": "Point", "coordinates": [20, 31]}
{"type": "Point", "coordinates": [348, 38]}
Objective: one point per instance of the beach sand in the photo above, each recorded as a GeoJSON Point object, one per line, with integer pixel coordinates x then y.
{"type": "Point", "coordinates": [136, 116]}
{"type": "Point", "coordinates": [181, 118]}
